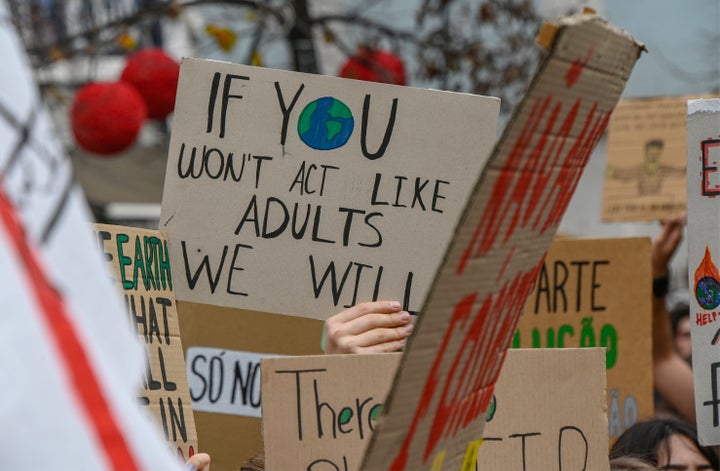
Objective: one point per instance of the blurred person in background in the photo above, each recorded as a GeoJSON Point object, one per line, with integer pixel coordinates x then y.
{"type": "Point", "coordinates": [667, 443]}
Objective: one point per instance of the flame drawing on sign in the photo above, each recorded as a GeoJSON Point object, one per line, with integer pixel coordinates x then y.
{"type": "Point", "coordinates": [707, 282]}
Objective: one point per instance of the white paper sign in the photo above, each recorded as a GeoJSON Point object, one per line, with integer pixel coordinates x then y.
{"type": "Point", "coordinates": [225, 381]}
{"type": "Point", "coordinates": [703, 178]}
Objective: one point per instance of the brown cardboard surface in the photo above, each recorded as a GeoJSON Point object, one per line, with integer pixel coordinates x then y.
{"type": "Point", "coordinates": [436, 410]}
{"type": "Point", "coordinates": [249, 206]}
{"type": "Point", "coordinates": [546, 399]}
{"type": "Point", "coordinates": [645, 177]}
{"type": "Point", "coordinates": [703, 161]}
{"type": "Point", "coordinates": [347, 391]}
{"type": "Point", "coordinates": [597, 292]}
{"type": "Point", "coordinates": [139, 260]}
{"type": "Point", "coordinates": [228, 425]}
{"type": "Point", "coordinates": [550, 412]}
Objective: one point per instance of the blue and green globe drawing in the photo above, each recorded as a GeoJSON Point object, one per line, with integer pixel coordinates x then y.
{"type": "Point", "coordinates": [325, 124]}
{"type": "Point", "coordinates": [491, 409]}
{"type": "Point", "coordinates": [707, 292]}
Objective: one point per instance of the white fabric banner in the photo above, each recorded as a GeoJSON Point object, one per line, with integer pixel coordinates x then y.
{"type": "Point", "coordinates": [70, 365]}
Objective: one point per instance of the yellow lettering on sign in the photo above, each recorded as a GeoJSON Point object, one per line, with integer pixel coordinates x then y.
{"type": "Point", "coordinates": [471, 452]}
{"type": "Point", "coordinates": [438, 461]}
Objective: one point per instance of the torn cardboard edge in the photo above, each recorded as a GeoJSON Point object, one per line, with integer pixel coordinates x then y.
{"type": "Point", "coordinates": [548, 30]}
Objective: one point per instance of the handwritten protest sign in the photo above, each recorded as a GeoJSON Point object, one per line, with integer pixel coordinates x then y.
{"type": "Point", "coordinates": [225, 381]}
{"type": "Point", "coordinates": [436, 410]}
{"type": "Point", "coordinates": [703, 161]}
{"type": "Point", "coordinates": [549, 413]}
{"type": "Point", "coordinates": [224, 347]}
{"type": "Point", "coordinates": [70, 363]}
{"type": "Point", "coordinates": [320, 411]}
{"type": "Point", "coordinates": [645, 178]}
{"type": "Point", "coordinates": [139, 260]}
{"type": "Point", "coordinates": [290, 194]}
{"type": "Point", "coordinates": [334, 190]}
{"type": "Point", "coordinates": [597, 293]}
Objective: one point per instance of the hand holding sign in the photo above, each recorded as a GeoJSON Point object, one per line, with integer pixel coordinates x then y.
{"type": "Point", "coordinates": [371, 327]}
{"type": "Point", "coordinates": [198, 462]}
{"type": "Point", "coordinates": [666, 242]}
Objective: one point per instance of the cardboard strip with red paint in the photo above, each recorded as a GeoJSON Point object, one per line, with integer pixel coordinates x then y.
{"type": "Point", "coordinates": [436, 410]}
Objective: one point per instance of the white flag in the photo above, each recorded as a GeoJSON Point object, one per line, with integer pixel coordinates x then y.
{"type": "Point", "coordinates": [70, 365]}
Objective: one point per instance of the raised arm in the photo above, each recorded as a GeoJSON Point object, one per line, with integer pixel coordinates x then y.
{"type": "Point", "coordinates": [673, 376]}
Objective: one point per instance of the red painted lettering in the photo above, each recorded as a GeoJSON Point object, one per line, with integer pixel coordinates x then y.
{"type": "Point", "coordinates": [576, 68]}
{"type": "Point", "coordinates": [475, 367]}
{"type": "Point", "coordinates": [530, 170]}
{"type": "Point", "coordinates": [529, 173]}
{"type": "Point", "coordinates": [503, 184]}
{"type": "Point", "coordinates": [706, 318]}
{"type": "Point", "coordinates": [461, 313]}
{"type": "Point", "coordinates": [709, 167]}
{"type": "Point", "coordinates": [481, 353]}
{"type": "Point", "coordinates": [571, 170]}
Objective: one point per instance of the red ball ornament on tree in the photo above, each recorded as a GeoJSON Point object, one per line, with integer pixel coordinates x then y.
{"type": "Point", "coordinates": [374, 65]}
{"type": "Point", "coordinates": [106, 117]}
{"type": "Point", "coordinates": [155, 75]}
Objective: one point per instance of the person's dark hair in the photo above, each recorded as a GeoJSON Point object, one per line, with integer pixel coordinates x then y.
{"type": "Point", "coordinates": [655, 143]}
{"type": "Point", "coordinates": [678, 312]}
{"type": "Point", "coordinates": [643, 439]}
{"type": "Point", "coordinates": [255, 463]}
{"type": "Point", "coordinates": [630, 463]}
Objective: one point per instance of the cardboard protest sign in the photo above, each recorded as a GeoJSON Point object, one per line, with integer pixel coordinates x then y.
{"type": "Point", "coordinates": [703, 161]}
{"type": "Point", "coordinates": [597, 293]}
{"type": "Point", "coordinates": [70, 363]}
{"type": "Point", "coordinates": [291, 194]}
{"type": "Point", "coordinates": [320, 411]}
{"type": "Point", "coordinates": [300, 195]}
{"type": "Point", "coordinates": [436, 410]}
{"type": "Point", "coordinates": [549, 413]}
{"type": "Point", "coordinates": [645, 177]}
{"type": "Point", "coordinates": [223, 349]}
{"type": "Point", "coordinates": [139, 261]}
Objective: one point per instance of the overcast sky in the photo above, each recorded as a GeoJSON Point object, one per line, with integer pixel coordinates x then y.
{"type": "Point", "coordinates": [682, 39]}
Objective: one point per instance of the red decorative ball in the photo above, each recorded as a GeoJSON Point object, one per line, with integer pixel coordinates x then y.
{"type": "Point", "coordinates": [106, 117]}
{"type": "Point", "coordinates": [155, 75]}
{"type": "Point", "coordinates": [374, 65]}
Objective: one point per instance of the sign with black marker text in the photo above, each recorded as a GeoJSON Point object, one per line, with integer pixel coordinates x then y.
{"type": "Point", "coordinates": [548, 411]}
{"type": "Point", "coordinates": [329, 191]}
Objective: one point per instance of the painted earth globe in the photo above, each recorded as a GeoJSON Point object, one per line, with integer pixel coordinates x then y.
{"type": "Point", "coordinates": [325, 124]}
{"type": "Point", "coordinates": [707, 292]}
